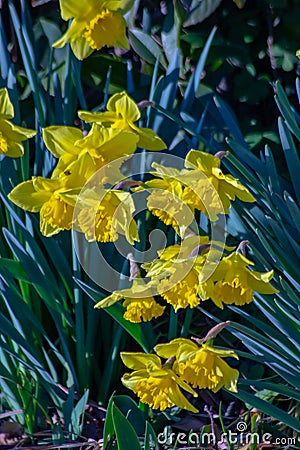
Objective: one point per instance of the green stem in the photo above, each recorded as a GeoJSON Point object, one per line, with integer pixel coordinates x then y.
{"type": "Point", "coordinates": [187, 322]}
{"type": "Point", "coordinates": [79, 319]}
{"type": "Point", "coordinates": [172, 334]}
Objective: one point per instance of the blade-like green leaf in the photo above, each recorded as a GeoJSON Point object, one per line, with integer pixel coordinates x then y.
{"type": "Point", "coordinates": [125, 434]}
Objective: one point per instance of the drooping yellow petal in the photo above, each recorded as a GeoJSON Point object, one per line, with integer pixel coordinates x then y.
{"type": "Point", "coordinates": [170, 348]}
{"type": "Point", "coordinates": [204, 161]}
{"type": "Point", "coordinates": [61, 139]}
{"type": "Point", "coordinates": [10, 148]}
{"type": "Point", "coordinates": [260, 282]}
{"type": "Point", "coordinates": [123, 106]}
{"type": "Point", "coordinates": [27, 197]}
{"type": "Point", "coordinates": [78, 8]}
{"type": "Point", "coordinates": [158, 388]}
{"type": "Point", "coordinates": [139, 360]}
{"type": "Point", "coordinates": [11, 137]}
{"type": "Point", "coordinates": [6, 106]}
{"type": "Point", "coordinates": [108, 143]}
{"type": "Point", "coordinates": [74, 32]}
{"type": "Point", "coordinates": [108, 301]}
{"type": "Point", "coordinates": [149, 139]}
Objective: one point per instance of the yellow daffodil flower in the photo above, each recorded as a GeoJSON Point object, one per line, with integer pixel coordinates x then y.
{"type": "Point", "coordinates": [176, 194]}
{"type": "Point", "coordinates": [104, 214]}
{"type": "Point", "coordinates": [166, 198]}
{"type": "Point", "coordinates": [156, 385]}
{"type": "Point", "coordinates": [227, 187]}
{"type": "Point", "coordinates": [102, 144]}
{"type": "Point", "coordinates": [123, 112]}
{"type": "Point", "coordinates": [138, 301]}
{"type": "Point", "coordinates": [176, 274]}
{"type": "Point", "coordinates": [95, 24]}
{"type": "Point", "coordinates": [232, 282]}
{"type": "Point", "coordinates": [202, 367]}
{"type": "Point", "coordinates": [11, 135]}
{"type": "Point", "coordinates": [52, 197]}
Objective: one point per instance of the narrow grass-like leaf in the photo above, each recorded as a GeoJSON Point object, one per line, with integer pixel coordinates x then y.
{"type": "Point", "coordinates": [200, 11]}
{"type": "Point", "coordinates": [125, 434]}
{"type": "Point", "coordinates": [242, 152]}
{"type": "Point", "coordinates": [116, 311]}
{"type": "Point", "coordinates": [286, 110]}
{"type": "Point", "coordinates": [31, 71]}
{"type": "Point", "coordinates": [272, 171]}
{"type": "Point", "coordinates": [146, 47]}
{"type": "Point", "coordinates": [276, 387]}
{"type": "Point", "coordinates": [150, 438]}
{"type": "Point", "coordinates": [192, 87]}
{"type": "Point", "coordinates": [291, 156]}
{"type": "Point", "coordinates": [267, 408]}
{"type": "Point", "coordinates": [230, 120]}
{"type": "Point", "coordinates": [292, 207]}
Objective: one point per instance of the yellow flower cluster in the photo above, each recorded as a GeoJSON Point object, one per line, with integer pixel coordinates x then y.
{"type": "Point", "coordinates": [201, 185]}
{"type": "Point", "coordinates": [184, 275]}
{"type": "Point", "coordinates": [101, 214]}
{"type": "Point", "coordinates": [187, 366]}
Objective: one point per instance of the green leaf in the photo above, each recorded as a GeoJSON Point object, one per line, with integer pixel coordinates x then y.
{"type": "Point", "coordinates": [125, 434]}
{"type": "Point", "coordinates": [274, 180]}
{"type": "Point", "coordinates": [170, 32]}
{"type": "Point", "coordinates": [109, 430]}
{"type": "Point", "coordinates": [145, 340]}
{"type": "Point", "coordinates": [145, 46]}
{"type": "Point", "coordinates": [131, 411]}
{"type": "Point", "coordinates": [150, 438]}
{"type": "Point", "coordinates": [267, 408]}
{"type": "Point", "coordinates": [199, 11]}
{"type": "Point", "coordinates": [291, 156]}
{"type": "Point", "coordinates": [194, 82]}
{"type": "Point", "coordinates": [275, 387]}
{"type": "Point", "coordinates": [231, 122]}
{"type": "Point", "coordinates": [286, 110]}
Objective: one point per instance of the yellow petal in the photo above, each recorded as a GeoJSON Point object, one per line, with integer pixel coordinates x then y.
{"type": "Point", "coordinates": [61, 139]}
{"type": "Point", "coordinates": [6, 106]}
{"type": "Point", "coordinates": [109, 143]}
{"type": "Point", "coordinates": [105, 118]}
{"type": "Point", "coordinates": [177, 397]}
{"type": "Point", "coordinates": [139, 360]}
{"type": "Point", "coordinates": [149, 139]}
{"type": "Point", "coordinates": [124, 106]}
{"type": "Point", "coordinates": [260, 282]}
{"type": "Point", "coordinates": [27, 197]}
{"type": "Point", "coordinates": [77, 8]}
{"type": "Point", "coordinates": [170, 349]}
{"type": "Point", "coordinates": [108, 301]}
{"type": "Point", "coordinates": [74, 36]}
{"type": "Point", "coordinates": [80, 171]}
{"type": "Point", "coordinates": [81, 48]}
{"type": "Point", "coordinates": [14, 150]}
{"type": "Point", "coordinates": [15, 133]}
{"type": "Point", "coordinates": [233, 187]}
{"type": "Point", "coordinates": [204, 161]}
